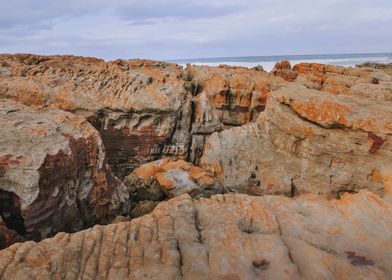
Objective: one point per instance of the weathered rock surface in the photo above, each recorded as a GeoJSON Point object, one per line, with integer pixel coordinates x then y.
{"type": "Point", "coordinates": [306, 141]}
{"type": "Point", "coordinates": [375, 65]}
{"type": "Point", "coordinates": [53, 173]}
{"type": "Point", "coordinates": [141, 108]}
{"type": "Point", "coordinates": [144, 110]}
{"type": "Point", "coordinates": [283, 69]}
{"type": "Point", "coordinates": [359, 82]}
{"type": "Point", "coordinates": [314, 130]}
{"type": "Point", "coordinates": [8, 236]}
{"type": "Point", "coordinates": [224, 97]}
{"type": "Point", "coordinates": [162, 179]}
{"type": "Point", "coordinates": [227, 95]}
{"type": "Point", "coordinates": [223, 237]}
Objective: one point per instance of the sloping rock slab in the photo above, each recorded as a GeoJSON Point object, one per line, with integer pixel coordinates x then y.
{"type": "Point", "coordinates": [223, 237]}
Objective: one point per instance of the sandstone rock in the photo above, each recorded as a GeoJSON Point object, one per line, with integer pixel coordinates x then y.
{"type": "Point", "coordinates": [120, 219]}
{"type": "Point", "coordinates": [8, 236]}
{"type": "Point", "coordinates": [158, 180]}
{"type": "Point", "coordinates": [375, 65]}
{"type": "Point", "coordinates": [228, 96]}
{"type": "Point", "coordinates": [308, 141]}
{"type": "Point", "coordinates": [359, 82]}
{"type": "Point", "coordinates": [223, 237]}
{"type": "Point", "coordinates": [53, 173]}
{"type": "Point", "coordinates": [240, 160]}
{"type": "Point", "coordinates": [224, 97]}
{"type": "Point", "coordinates": [144, 110]}
{"type": "Point", "coordinates": [143, 208]}
{"type": "Point", "coordinates": [141, 108]}
{"type": "Point", "coordinates": [283, 69]}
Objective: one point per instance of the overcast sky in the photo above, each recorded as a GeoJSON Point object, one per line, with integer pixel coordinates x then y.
{"type": "Point", "coordinates": [170, 29]}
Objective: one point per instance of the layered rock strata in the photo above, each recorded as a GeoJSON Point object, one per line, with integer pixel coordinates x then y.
{"type": "Point", "coordinates": [53, 173]}
{"type": "Point", "coordinates": [223, 237]}
{"type": "Point", "coordinates": [141, 108]}
{"type": "Point", "coordinates": [144, 110]}
{"type": "Point", "coordinates": [224, 97]}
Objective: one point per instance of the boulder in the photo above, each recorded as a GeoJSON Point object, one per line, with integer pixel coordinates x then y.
{"type": "Point", "coordinates": [158, 180]}
{"type": "Point", "coordinates": [283, 69]}
{"type": "Point", "coordinates": [53, 173]}
{"type": "Point", "coordinates": [223, 237]}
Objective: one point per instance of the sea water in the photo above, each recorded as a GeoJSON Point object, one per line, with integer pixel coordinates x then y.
{"type": "Point", "coordinates": [268, 62]}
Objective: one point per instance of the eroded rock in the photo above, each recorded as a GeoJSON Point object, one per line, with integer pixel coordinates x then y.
{"type": "Point", "coordinates": [306, 141]}
{"type": "Point", "coordinates": [163, 179]}
{"type": "Point", "coordinates": [141, 108]}
{"type": "Point", "coordinates": [283, 69]}
{"type": "Point", "coordinates": [358, 82]}
{"type": "Point", "coordinates": [223, 237]}
{"type": "Point", "coordinates": [53, 173]}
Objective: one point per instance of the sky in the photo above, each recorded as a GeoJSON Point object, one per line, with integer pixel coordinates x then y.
{"type": "Point", "coordinates": [176, 29]}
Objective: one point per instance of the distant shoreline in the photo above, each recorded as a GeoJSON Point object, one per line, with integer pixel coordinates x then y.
{"type": "Point", "coordinates": [268, 62]}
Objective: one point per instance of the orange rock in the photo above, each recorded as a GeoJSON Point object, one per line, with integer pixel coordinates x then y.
{"type": "Point", "coordinates": [223, 237]}
{"type": "Point", "coordinates": [283, 69]}
{"type": "Point", "coordinates": [171, 178]}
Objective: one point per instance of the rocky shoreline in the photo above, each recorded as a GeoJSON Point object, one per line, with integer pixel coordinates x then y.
{"type": "Point", "coordinates": [195, 173]}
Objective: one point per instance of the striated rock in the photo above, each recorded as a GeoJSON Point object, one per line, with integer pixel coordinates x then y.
{"type": "Point", "coordinates": [53, 173]}
{"type": "Point", "coordinates": [141, 108]}
{"type": "Point", "coordinates": [224, 97]}
{"type": "Point", "coordinates": [158, 180]}
{"type": "Point", "coordinates": [308, 141]}
{"type": "Point", "coordinates": [223, 237]}
{"type": "Point", "coordinates": [283, 69]}
{"type": "Point", "coordinates": [144, 110]}
{"type": "Point", "coordinates": [228, 96]}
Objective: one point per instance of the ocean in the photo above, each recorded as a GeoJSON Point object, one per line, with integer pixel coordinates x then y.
{"type": "Point", "coordinates": [268, 62]}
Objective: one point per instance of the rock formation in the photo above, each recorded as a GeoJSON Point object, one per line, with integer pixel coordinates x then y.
{"type": "Point", "coordinates": [223, 237]}
{"type": "Point", "coordinates": [203, 172]}
{"type": "Point", "coordinates": [142, 109]}
{"type": "Point", "coordinates": [283, 69]}
{"type": "Point", "coordinates": [162, 179]}
{"type": "Point", "coordinates": [306, 141]}
{"type": "Point", "coordinates": [138, 106]}
{"type": "Point", "coordinates": [8, 236]}
{"type": "Point", "coordinates": [53, 173]}
{"type": "Point", "coordinates": [358, 82]}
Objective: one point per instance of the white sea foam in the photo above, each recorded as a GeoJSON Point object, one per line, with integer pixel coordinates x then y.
{"type": "Point", "coordinates": [269, 65]}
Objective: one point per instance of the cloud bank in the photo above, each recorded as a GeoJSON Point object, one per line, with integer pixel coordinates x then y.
{"type": "Point", "coordinates": [170, 29]}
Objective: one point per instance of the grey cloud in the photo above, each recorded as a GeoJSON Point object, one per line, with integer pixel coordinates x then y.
{"type": "Point", "coordinates": [163, 29]}
{"type": "Point", "coordinates": [137, 11]}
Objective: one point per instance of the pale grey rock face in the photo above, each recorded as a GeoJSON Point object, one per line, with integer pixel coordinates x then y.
{"type": "Point", "coordinates": [306, 141]}
{"type": "Point", "coordinates": [239, 158]}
